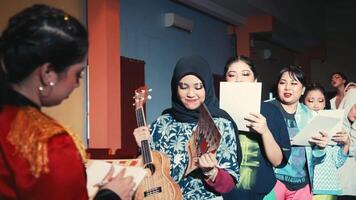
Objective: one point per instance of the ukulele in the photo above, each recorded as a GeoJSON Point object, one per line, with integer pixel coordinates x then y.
{"type": "Point", "coordinates": [157, 184]}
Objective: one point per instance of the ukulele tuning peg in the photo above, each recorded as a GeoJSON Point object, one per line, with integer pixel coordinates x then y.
{"type": "Point", "coordinates": [149, 97]}
{"type": "Point", "coordinates": [134, 104]}
{"type": "Point", "coordinates": [150, 90]}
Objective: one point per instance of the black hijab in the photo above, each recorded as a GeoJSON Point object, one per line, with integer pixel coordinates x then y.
{"type": "Point", "coordinates": [197, 66]}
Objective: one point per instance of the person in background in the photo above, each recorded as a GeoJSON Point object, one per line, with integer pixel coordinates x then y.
{"type": "Point", "coordinates": [338, 81]}
{"type": "Point", "coordinates": [347, 171]}
{"type": "Point", "coordinates": [314, 97]}
{"type": "Point", "coordinates": [326, 183]}
{"type": "Point", "coordinates": [266, 146]}
{"type": "Point", "coordinates": [42, 58]}
{"type": "Point", "coordinates": [349, 86]}
{"type": "Point", "coordinates": [294, 181]}
{"type": "Point", "coordinates": [192, 85]}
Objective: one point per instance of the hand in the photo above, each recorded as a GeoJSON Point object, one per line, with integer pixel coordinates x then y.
{"type": "Point", "coordinates": [107, 178]}
{"type": "Point", "coordinates": [352, 114]}
{"type": "Point", "coordinates": [122, 186]}
{"type": "Point", "coordinates": [141, 133]}
{"type": "Point", "coordinates": [258, 123]}
{"type": "Point", "coordinates": [208, 163]}
{"type": "Point", "coordinates": [341, 138]}
{"type": "Point", "coordinates": [320, 139]}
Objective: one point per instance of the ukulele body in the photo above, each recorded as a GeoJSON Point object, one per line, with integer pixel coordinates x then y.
{"type": "Point", "coordinates": [158, 184]}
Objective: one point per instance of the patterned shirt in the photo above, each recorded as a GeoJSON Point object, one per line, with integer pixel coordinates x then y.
{"type": "Point", "coordinates": [326, 174]}
{"type": "Point", "coordinates": [294, 174]}
{"type": "Point", "coordinates": [171, 137]}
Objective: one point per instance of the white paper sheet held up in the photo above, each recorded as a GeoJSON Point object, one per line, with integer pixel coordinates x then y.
{"type": "Point", "coordinates": [339, 114]}
{"type": "Point", "coordinates": [239, 99]}
{"type": "Point", "coordinates": [98, 169]}
{"type": "Point", "coordinates": [329, 121]}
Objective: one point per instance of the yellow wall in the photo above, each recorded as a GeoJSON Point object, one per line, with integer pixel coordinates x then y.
{"type": "Point", "coordinates": [70, 113]}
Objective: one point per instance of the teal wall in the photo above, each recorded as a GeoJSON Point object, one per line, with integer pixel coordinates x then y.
{"type": "Point", "coordinates": [144, 37]}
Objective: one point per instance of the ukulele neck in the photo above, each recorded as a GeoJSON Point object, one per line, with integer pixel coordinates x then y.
{"type": "Point", "coordinates": [145, 147]}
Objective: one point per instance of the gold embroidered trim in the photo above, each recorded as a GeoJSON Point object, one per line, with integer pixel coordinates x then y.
{"type": "Point", "coordinates": [30, 132]}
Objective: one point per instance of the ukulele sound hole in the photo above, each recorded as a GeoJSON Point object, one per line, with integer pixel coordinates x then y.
{"type": "Point", "coordinates": [153, 191]}
{"type": "Point", "coordinates": [151, 168]}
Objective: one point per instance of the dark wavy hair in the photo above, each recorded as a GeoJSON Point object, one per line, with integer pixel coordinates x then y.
{"type": "Point", "coordinates": [37, 35]}
{"type": "Point", "coordinates": [343, 76]}
{"type": "Point", "coordinates": [244, 59]}
{"type": "Point", "coordinates": [295, 72]}
{"type": "Point", "coordinates": [312, 87]}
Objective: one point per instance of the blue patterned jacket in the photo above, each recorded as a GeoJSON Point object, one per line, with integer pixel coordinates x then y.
{"type": "Point", "coordinates": [170, 137]}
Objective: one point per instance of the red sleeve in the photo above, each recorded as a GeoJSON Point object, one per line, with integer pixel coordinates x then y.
{"type": "Point", "coordinates": [7, 189]}
{"type": "Point", "coordinates": [65, 180]}
{"type": "Point", "coordinates": [223, 182]}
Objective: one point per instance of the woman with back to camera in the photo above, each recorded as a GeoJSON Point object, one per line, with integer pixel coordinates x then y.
{"type": "Point", "coordinates": [326, 181]}
{"type": "Point", "coordinates": [42, 55]}
{"type": "Point", "coordinates": [191, 85]}
{"type": "Point", "coordinates": [294, 181]}
{"type": "Point", "coordinates": [266, 146]}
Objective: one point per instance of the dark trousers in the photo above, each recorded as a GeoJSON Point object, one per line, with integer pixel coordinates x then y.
{"type": "Point", "coordinates": [346, 198]}
{"type": "Point", "coordinates": [243, 195]}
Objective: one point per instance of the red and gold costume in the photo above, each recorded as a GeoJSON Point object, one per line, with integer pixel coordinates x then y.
{"type": "Point", "coordinates": [39, 159]}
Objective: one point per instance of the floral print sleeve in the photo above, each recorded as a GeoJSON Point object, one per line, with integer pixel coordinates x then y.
{"type": "Point", "coordinates": [171, 137]}
{"type": "Point", "coordinates": [226, 154]}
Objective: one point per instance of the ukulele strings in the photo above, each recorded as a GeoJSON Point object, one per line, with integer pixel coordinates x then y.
{"type": "Point", "coordinates": [145, 148]}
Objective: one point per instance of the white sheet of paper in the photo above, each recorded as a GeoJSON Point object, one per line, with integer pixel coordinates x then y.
{"type": "Point", "coordinates": [338, 127]}
{"type": "Point", "coordinates": [329, 121]}
{"type": "Point", "coordinates": [239, 99]}
{"type": "Point", "coordinates": [97, 170]}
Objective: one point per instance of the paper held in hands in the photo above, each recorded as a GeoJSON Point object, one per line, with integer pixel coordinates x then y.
{"type": "Point", "coordinates": [97, 170]}
{"type": "Point", "coordinates": [205, 138]}
{"type": "Point", "coordinates": [328, 121]}
{"type": "Point", "coordinates": [240, 99]}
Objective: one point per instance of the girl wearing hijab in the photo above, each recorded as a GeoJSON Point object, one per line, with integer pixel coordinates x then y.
{"type": "Point", "coordinates": [191, 85]}
{"type": "Point", "coordinates": [347, 171]}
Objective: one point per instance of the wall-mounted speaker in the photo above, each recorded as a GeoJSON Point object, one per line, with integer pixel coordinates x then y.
{"type": "Point", "coordinates": [174, 20]}
{"type": "Point", "coordinates": [266, 54]}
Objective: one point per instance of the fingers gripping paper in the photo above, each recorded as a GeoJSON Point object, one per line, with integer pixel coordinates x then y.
{"type": "Point", "coordinates": [205, 138]}
{"type": "Point", "coordinates": [97, 170]}
{"type": "Point", "coordinates": [328, 121]}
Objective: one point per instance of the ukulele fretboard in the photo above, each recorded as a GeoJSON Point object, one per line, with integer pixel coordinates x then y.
{"type": "Point", "coordinates": [145, 147]}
